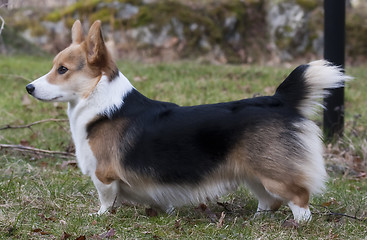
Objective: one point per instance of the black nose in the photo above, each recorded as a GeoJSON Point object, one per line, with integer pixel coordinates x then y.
{"type": "Point", "coordinates": [30, 88]}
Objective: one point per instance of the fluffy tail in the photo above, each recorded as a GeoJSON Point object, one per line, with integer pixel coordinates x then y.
{"type": "Point", "coordinates": [308, 83]}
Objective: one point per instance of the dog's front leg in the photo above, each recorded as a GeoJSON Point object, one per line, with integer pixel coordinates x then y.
{"type": "Point", "coordinates": [107, 193]}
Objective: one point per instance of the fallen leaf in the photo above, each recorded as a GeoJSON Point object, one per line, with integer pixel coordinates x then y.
{"type": "Point", "coordinates": [43, 164]}
{"type": "Point", "coordinates": [110, 233]}
{"type": "Point", "coordinates": [358, 164]}
{"type": "Point", "coordinates": [290, 224]}
{"type": "Point", "coordinates": [52, 218]}
{"type": "Point", "coordinates": [40, 231]}
{"type": "Point", "coordinates": [66, 164]}
{"type": "Point", "coordinates": [150, 212]}
{"type": "Point", "coordinates": [80, 238]}
{"type": "Point", "coordinates": [328, 203]}
{"type": "Point", "coordinates": [213, 218]}
{"type": "Point", "coordinates": [202, 207]}
{"type": "Point", "coordinates": [65, 236]}
{"type": "Point", "coordinates": [24, 142]}
{"type": "Point", "coordinates": [361, 175]}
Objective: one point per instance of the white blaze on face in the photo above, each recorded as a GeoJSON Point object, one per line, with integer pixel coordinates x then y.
{"type": "Point", "coordinates": [45, 91]}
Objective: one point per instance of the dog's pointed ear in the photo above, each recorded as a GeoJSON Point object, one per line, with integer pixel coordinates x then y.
{"type": "Point", "coordinates": [95, 45]}
{"type": "Point", "coordinates": [77, 32]}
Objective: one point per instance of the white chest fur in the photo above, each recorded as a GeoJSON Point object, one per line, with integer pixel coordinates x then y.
{"type": "Point", "coordinates": [78, 123]}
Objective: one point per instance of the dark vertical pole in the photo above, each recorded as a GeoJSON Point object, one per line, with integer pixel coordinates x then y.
{"type": "Point", "coordinates": [334, 46]}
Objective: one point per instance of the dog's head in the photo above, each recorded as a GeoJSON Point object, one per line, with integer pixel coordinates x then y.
{"type": "Point", "coordinates": [77, 69]}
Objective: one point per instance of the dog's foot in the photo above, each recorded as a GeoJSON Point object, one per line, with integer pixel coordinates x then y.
{"type": "Point", "coordinates": [103, 209]}
{"type": "Point", "coordinates": [300, 214]}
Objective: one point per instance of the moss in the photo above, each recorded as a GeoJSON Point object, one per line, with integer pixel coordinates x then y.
{"type": "Point", "coordinates": [81, 7]}
{"type": "Point", "coordinates": [35, 27]}
{"type": "Point", "coordinates": [85, 6]}
{"type": "Point", "coordinates": [161, 14]}
{"type": "Point", "coordinates": [104, 15]}
{"type": "Point", "coordinates": [69, 21]}
{"type": "Point", "coordinates": [53, 16]}
{"type": "Point", "coordinates": [37, 30]}
{"type": "Point", "coordinates": [133, 2]}
{"type": "Point", "coordinates": [308, 5]}
{"type": "Point", "coordinates": [16, 44]}
{"type": "Point", "coordinates": [356, 34]}
{"type": "Point", "coordinates": [250, 25]}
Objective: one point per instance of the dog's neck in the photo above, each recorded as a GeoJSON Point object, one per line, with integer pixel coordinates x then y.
{"type": "Point", "coordinates": [107, 96]}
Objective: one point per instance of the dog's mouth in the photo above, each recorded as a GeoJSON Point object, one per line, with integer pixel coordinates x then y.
{"type": "Point", "coordinates": [48, 100]}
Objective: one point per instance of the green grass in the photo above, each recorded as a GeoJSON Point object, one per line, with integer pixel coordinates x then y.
{"type": "Point", "coordinates": [42, 199]}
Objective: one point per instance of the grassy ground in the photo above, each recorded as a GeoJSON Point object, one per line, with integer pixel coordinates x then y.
{"type": "Point", "coordinates": [44, 197]}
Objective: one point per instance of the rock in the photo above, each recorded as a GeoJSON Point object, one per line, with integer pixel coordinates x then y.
{"type": "Point", "coordinates": [127, 11]}
{"type": "Point", "coordinates": [287, 24]}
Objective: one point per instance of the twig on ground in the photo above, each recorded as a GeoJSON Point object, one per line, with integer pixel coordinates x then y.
{"type": "Point", "coordinates": [332, 213]}
{"type": "Point", "coordinates": [32, 124]}
{"type": "Point", "coordinates": [32, 150]}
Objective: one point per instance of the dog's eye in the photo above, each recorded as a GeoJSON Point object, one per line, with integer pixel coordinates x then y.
{"type": "Point", "coordinates": [62, 70]}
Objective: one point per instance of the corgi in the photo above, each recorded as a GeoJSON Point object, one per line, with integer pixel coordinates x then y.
{"type": "Point", "coordinates": [164, 155]}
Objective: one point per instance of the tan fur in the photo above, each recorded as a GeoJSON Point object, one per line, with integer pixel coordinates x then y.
{"type": "Point", "coordinates": [104, 141]}
{"type": "Point", "coordinates": [276, 205]}
{"type": "Point", "coordinates": [287, 191]}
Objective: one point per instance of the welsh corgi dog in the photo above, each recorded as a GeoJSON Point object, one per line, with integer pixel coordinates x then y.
{"type": "Point", "coordinates": [144, 151]}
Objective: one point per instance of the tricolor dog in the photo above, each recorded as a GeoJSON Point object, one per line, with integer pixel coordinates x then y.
{"type": "Point", "coordinates": [161, 154]}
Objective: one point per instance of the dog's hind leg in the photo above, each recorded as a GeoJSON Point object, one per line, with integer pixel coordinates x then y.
{"type": "Point", "coordinates": [267, 202]}
{"type": "Point", "coordinates": [295, 195]}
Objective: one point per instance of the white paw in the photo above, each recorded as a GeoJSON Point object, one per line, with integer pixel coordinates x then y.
{"type": "Point", "coordinates": [102, 210]}
{"type": "Point", "coordinates": [300, 214]}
